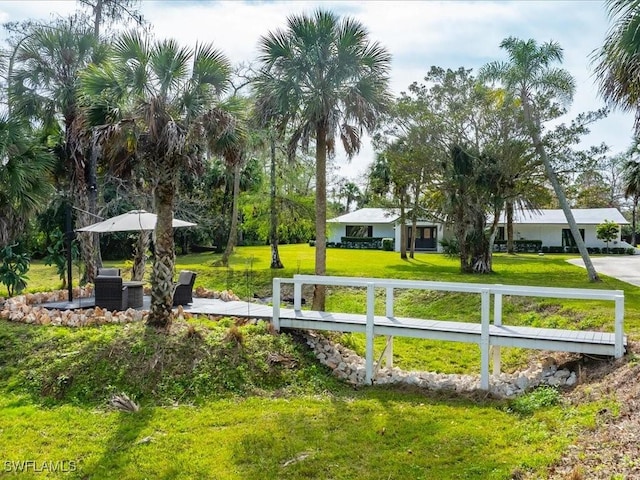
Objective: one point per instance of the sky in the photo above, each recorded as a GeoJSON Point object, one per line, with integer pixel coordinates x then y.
{"type": "Point", "coordinates": [418, 34]}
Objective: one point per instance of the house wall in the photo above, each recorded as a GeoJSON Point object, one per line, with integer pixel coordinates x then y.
{"type": "Point", "coordinates": [338, 230]}
{"type": "Point", "coordinates": [420, 224]}
{"type": "Point", "coordinates": [551, 235]}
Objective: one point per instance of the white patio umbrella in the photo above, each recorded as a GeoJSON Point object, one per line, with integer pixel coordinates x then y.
{"type": "Point", "coordinates": [133, 221]}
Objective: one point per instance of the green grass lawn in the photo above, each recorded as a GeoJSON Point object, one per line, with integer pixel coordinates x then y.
{"type": "Point", "coordinates": [213, 407]}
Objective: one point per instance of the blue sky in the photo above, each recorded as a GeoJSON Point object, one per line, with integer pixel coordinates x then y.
{"type": "Point", "coordinates": [417, 33]}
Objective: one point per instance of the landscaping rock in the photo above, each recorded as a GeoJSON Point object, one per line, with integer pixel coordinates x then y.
{"type": "Point", "coordinates": [349, 366]}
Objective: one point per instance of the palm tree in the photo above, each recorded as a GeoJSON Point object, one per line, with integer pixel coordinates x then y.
{"type": "Point", "coordinates": [529, 72]}
{"type": "Point", "coordinates": [326, 79]}
{"type": "Point", "coordinates": [25, 168]}
{"type": "Point", "coordinates": [44, 88]}
{"type": "Point", "coordinates": [157, 102]}
{"type": "Point", "coordinates": [618, 61]}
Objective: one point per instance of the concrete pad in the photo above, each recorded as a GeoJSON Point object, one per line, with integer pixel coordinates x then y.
{"type": "Point", "coordinates": [622, 267]}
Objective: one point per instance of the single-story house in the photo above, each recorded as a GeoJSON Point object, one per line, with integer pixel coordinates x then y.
{"type": "Point", "coordinates": [382, 223]}
{"type": "Point", "coordinates": [548, 226]}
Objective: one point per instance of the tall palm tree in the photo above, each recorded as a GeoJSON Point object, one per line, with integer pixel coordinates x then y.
{"type": "Point", "coordinates": [157, 101]}
{"type": "Point", "coordinates": [25, 169]}
{"type": "Point", "coordinates": [618, 61]}
{"type": "Point", "coordinates": [326, 79]}
{"type": "Point", "coordinates": [529, 72]}
{"type": "Point", "coordinates": [44, 88]}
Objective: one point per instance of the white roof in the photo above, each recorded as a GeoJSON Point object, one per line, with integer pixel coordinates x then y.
{"type": "Point", "coordinates": [368, 216]}
{"type": "Point", "coordinates": [583, 216]}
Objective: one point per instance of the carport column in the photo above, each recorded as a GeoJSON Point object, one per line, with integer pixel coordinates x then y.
{"type": "Point", "coordinates": [369, 334]}
{"type": "Point", "coordinates": [276, 304]}
{"type": "Point", "coordinates": [484, 339]}
{"type": "Point", "coordinates": [619, 325]}
{"type": "Point", "coordinates": [497, 321]}
{"type": "Point", "coordinates": [389, 348]}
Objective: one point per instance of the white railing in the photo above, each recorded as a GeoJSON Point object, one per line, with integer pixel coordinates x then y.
{"type": "Point", "coordinates": [484, 290]}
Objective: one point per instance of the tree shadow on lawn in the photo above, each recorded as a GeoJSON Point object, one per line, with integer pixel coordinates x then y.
{"type": "Point", "coordinates": [378, 432]}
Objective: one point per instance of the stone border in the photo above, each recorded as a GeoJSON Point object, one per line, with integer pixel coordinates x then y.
{"type": "Point", "coordinates": [28, 309]}
{"type": "Point", "coordinates": [349, 366]}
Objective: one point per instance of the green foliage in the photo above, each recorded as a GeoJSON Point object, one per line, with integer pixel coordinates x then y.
{"type": "Point", "coordinates": [450, 247]}
{"type": "Point", "coordinates": [387, 244]}
{"type": "Point", "coordinates": [607, 231]}
{"type": "Point", "coordinates": [541, 397]}
{"type": "Point", "coordinates": [56, 253]}
{"type": "Point", "coordinates": [13, 270]}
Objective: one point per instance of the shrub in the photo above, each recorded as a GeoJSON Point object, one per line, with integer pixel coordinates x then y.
{"type": "Point", "coordinates": [450, 247]}
{"type": "Point", "coordinates": [387, 244]}
{"type": "Point", "coordinates": [541, 397]}
{"type": "Point", "coordinates": [312, 243]}
{"type": "Point", "coordinates": [631, 251]}
{"type": "Point", "coordinates": [545, 249]}
{"type": "Point", "coordinates": [13, 270]}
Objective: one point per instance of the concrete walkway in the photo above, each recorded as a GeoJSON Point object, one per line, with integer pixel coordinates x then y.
{"type": "Point", "coordinates": [622, 267]}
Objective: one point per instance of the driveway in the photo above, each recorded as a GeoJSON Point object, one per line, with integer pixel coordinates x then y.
{"type": "Point", "coordinates": [622, 267]}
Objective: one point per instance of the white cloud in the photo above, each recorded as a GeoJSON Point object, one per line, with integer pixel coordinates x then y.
{"type": "Point", "coordinates": [417, 33]}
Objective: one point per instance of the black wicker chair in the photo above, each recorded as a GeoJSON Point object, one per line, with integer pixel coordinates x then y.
{"type": "Point", "coordinates": [183, 289]}
{"type": "Point", "coordinates": [109, 272]}
{"type": "Point", "coordinates": [111, 293]}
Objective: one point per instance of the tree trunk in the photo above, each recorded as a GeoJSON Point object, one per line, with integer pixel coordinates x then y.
{"type": "Point", "coordinates": [233, 231]}
{"type": "Point", "coordinates": [403, 227]}
{"type": "Point", "coordinates": [555, 183]}
{"type": "Point", "coordinates": [140, 256]}
{"type": "Point", "coordinates": [633, 220]}
{"type": "Point", "coordinates": [509, 214]}
{"type": "Point", "coordinates": [319, 292]}
{"type": "Point", "coordinates": [161, 313]}
{"type": "Point", "coordinates": [412, 240]}
{"type": "Point", "coordinates": [273, 226]}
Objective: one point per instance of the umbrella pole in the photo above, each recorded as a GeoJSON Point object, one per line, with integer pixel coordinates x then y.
{"type": "Point", "coordinates": [69, 240]}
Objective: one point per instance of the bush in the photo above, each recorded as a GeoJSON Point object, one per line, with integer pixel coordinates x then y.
{"type": "Point", "coordinates": [13, 270]}
{"type": "Point", "coordinates": [631, 251]}
{"type": "Point", "coordinates": [545, 249]}
{"type": "Point", "coordinates": [312, 243]}
{"type": "Point", "coordinates": [371, 243]}
{"type": "Point", "coordinates": [387, 244]}
{"type": "Point", "coordinates": [450, 247]}
{"type": "Point", "coordinates": [539, 398]}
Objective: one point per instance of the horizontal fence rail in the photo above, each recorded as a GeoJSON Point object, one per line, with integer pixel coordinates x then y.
{"type": "Point", "coordinates": [489, 336]}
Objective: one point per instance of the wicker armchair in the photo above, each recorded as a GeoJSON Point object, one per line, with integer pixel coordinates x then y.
{"type": "Point", "coordinates": [111, 293]}
{"type": "Point", "coordinates": [109, 272]}
{"type": "Point", "coordinates": [183, 289]}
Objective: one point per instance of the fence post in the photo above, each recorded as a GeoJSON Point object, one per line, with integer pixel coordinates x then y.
{"type": "Point", "coordinates": [497, 321]}
{"type": "Point", "coordinates": [619, 325]}
{"type": "Point", "coordinates": [276, 304]}
{"type": "Point", "coordinates": [389, 349]}
{"type": "Point", "coordinates": [369, 333]}
{"type": "Point", "coordinates": [484, 338]}
{"type": "Point", "coordinates": [297, 295]}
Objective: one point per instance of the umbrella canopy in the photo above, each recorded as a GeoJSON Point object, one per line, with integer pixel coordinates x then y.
{"type": "Point", "coordinates": [135, 220]}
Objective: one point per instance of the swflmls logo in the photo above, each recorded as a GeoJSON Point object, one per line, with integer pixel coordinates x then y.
{"type": "Point", "coordinates": [59, 466]}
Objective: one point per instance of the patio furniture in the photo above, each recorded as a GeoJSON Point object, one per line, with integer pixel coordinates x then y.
{"type": "Point", "coordinates": [136, 293]}
{"type": "Point", "coordinates": [109, 272]}
{"type": "Point", "coordinates": [111, 293]}
{"type": "Point", "coordinates": [183, 289]}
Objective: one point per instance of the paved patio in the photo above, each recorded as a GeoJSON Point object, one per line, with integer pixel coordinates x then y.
{"type": "Point", "coordinates": [207, 306]}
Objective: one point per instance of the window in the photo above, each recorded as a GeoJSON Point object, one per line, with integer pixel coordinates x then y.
{"type": "Point", "coordinates": [362, 231]}
{"type": "Point", "coordinates": [501, 234]}
{"type": "Point", "coordinates": [567, 237]}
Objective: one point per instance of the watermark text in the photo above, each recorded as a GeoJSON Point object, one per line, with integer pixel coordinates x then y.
{"type": "Point", "coordinates": [40, 466]}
